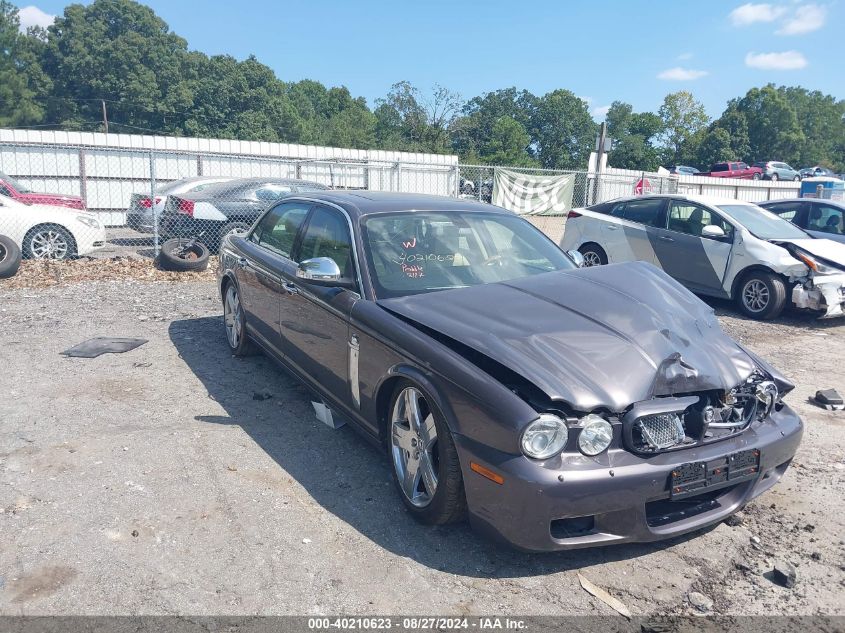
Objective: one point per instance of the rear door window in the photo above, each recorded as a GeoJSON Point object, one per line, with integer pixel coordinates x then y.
{"type": "Point", "coordinates": [786, 210]}
{"type": "Point", "coordinates": [826, 219]}
{"type": "Point", "coordinates": [647, 211]}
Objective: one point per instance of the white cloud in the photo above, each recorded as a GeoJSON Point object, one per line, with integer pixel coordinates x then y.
{"type": "Point", "coordinates": [600, 112]}
{"type": "Point", "coordinates": [33, 16]}
{"type": "Point", "coordinates": [788, 60]}
{"type": "Point", "coordinates": [751, 13]}
{"type": "Point", "coordinates": [681, 74]}
{"type": "Point", "coordinates": [807, 18]}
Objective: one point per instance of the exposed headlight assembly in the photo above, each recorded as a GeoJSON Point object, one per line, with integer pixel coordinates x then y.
{"type": "Point", "coordinates": [767, 396]}
{"type": "Point", "coordinates": [596, 435]}
{"type": "Point", "coordinates": [545, 437]}
{"type": "Point", "coordinates": [814, 264]}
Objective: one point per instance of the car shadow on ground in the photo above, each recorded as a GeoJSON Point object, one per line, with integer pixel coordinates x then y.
{"type": "Point", "coordinates": [347, 474]}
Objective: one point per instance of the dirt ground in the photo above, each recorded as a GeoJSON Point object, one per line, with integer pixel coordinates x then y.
{"type": "Point", "coordinates": [153, 482]}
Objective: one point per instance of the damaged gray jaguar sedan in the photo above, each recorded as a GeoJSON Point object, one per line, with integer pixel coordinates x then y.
{"type": "Point", "coordinates": [557, 406]}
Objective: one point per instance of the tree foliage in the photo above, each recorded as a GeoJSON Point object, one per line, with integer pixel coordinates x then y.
{"type": "Point", "coordinates": [121, 52]}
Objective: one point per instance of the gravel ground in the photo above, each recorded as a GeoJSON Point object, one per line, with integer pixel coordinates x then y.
{"type": "Point", "coordinates": [153, 483]}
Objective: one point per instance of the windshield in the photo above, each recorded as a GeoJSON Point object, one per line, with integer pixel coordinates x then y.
{"type": "Point", "coordinates": [17, 186]}
{"type": "Point", "coordinates": [412, 253]}
{"type": "Point", "coordinates": [762, 223]}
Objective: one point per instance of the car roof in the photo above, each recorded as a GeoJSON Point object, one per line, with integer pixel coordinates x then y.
{"type": "Point", "coordinates": [707, 200]}
{"type": "Point", "coordinates": [833, 203]}
{"type": "Point", "coordinates": [364, 202]}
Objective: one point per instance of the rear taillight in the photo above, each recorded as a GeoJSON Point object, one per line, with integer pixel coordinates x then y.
{"type": "Point", "coordinates": [573, 214]}
{"type": "Point", "coordinates": [186, 207]}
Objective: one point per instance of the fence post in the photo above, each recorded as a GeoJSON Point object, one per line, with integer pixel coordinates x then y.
{"type": "Point", "coordinates": [83, 178]}
{"type": "Point", "coordinates": [398, 177]}
{"type": "Point", "coordinates": [457, 181]}
{"type": "Point", "coordinates": [199, 165]}
{"type": "Point", "coordinates": [156, 215]}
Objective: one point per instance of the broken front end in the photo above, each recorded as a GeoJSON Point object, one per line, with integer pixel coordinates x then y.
{"type": "Point", "coordinates": [822, 289]}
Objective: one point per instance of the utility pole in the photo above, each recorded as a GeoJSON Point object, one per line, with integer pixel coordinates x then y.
{"type": "Point", "coordinates": [599, 154]}
{"type": "Point", "coordinates": [105, 116]}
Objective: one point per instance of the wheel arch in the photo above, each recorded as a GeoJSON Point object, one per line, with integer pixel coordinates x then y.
{"type": "Point", "coordinates": [409, 373]}
{"type": "Point", "coordinates": [759, 268]}
{"type": "Point", "coordinates": [25, 250]}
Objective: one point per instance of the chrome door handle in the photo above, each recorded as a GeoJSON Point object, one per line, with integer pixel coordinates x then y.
{"type": "Point", "coordinates": [290, 288]}
{"type": "Point", "coordinates": [666, 238]}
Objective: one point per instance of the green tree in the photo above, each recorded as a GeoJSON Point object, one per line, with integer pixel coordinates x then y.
{"type": "Point", "coordinates": [563, 130]}
{"type": "Point", "coordinates": [406, 120]}
{"type": "Point", "coordinates": [473, 131]}
{"type": "Point", "coordinates": [715, 147]}
{"type": "Point", "coordinates": [773, 129]}
{"type": "Point", "coordinates": [23, 83]}
{"type": "Point", "coordinates": [821, 118]}
{"type": "Point", "coordinates": [508, 145]}
{"type": "Point", "coordinates": [633, 137]}
{"type": "Point", "coordinates": [121, 51]}
{"type": "Point", "coordinates": [683, 117]}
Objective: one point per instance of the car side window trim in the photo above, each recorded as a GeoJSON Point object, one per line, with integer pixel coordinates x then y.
{"type": "Point", "coordinates": [668, 212]}
{"type": "Point", "coordinates": [251, 237]}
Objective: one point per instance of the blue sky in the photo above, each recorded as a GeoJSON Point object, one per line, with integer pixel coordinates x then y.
{"type": "Point", "coordinates": [602, 50]}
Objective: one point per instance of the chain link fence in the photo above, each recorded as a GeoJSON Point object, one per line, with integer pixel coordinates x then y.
{"type": "Point", "coordinates": [61, 201]}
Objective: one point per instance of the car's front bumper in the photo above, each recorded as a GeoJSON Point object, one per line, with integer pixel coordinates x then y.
{"type": "Point", "coordinates": [617, 497]}
{"type": "Point", "coordinates": [824, 292]}
{"type": "Point", "coordinates": [89, 239]}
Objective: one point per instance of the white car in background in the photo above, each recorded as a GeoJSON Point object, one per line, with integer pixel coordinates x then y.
{"type": "Point", "coordinates": [50, 232]}
{"type": "Point", "coordinates": [717, 247]}
{"type": "Point", "coordinates": [139, 215]}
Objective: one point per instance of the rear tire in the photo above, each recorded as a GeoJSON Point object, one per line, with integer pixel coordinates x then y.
{"type": "Point", "coordinates": [234, 321]}
{"type": "Point", "coordinates": [796, 179]}
{"type": "Point", "coordinates": [10, 257]}
{"type": "Point", "coordinates": [756, 177]}
{"type": "Point", "coordinates": [761, 295]}
{"type": "Point", "coordinates": [594, 255]}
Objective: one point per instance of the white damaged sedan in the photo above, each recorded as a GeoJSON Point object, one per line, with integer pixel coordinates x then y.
{"type": "Point", "coordinates": [717, 247]}
{"type": "Point", "coordinates": [50, 232]}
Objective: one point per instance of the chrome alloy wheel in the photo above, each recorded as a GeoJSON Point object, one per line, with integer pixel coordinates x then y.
{"type": "Point", "coordinates": [591, 258]}
{"type": "Point", "coordinates": [233, 316]}
{"type": "Point", "coordinates": [755, 295]}
{"type": "Point", "coordinates": [414, 440]}
{"type": "Point", "coordinates": [49, 244]}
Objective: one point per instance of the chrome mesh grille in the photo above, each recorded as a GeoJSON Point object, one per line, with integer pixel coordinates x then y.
{"type": "Point", "coordinates": [663, 430]}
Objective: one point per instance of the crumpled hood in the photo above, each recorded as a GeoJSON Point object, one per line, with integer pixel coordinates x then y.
{"type": "Point", "coordinates": [600, 337]}
{"type": "Point", "coordinates": [826, 249]}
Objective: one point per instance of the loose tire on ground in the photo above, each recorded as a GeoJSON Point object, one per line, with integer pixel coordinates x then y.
{"type": "Point", "coordinates": [761, 295]}
{"type": "Point", "coordinates": [10, 257]}
{"type": "Point", "coordinates": [594, 254]}
{"type": "Point", "coordinates": [195, 259]}
{"type": "Point", "coordinates": [448, 503]}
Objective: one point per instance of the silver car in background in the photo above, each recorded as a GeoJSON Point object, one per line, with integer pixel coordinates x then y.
{"type": "Point", "coordinates": [718, 247]}
{"type": "Point", "coordinates": [142, 209]}
{"type": "Point", "coordinates": [774, 170]}
{"type": "Point", "coordinates": [821, 218]}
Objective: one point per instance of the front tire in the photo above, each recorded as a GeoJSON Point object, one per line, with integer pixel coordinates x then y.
{"type": "Point", "coordinates": [594, 255]}
{"type": "Point", "coordinates": [10, 257]}
{"type": "Point", "coordinates": [761, 296]}
{"type": "Point", "coordinates": [756, 177]}
{"type": "Point", "coordinates": [49, 241]}
{"type": "Point", "coordinates": [426, 469]}
{"type": "Point", "coordinates": [234, 321]}
{"type": "Point", "coordinates": [775, 177]}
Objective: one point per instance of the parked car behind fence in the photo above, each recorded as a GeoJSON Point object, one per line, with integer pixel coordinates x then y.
{"type": "Point", "coordinates": [774, 170]}
{"type": "Point", "coordinates": [143, 211]}
{"type": "Point", "coordinates": [12, 188]}
{"type": "Point", "coordinates": [820, 218]}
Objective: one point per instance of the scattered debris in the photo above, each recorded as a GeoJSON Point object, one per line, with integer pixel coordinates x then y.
{"type": "Point", "coordinates": [233, 469]}
{"type": "Point", "coordinates": [306, 540]}
{"type": "Point", "coordinates": [734, 520]}
{"type": "Point", "coordinates": [135, 533]}
{"type": "Point", "coordinates": [816, 556]}
{"type": "Point", "coordinates": [784, 574]}
{"type": "Point", "coordinates": [261, 395]}
{"type": "Point", "coordinates": [327, 416]}
{"type": "Point", "coordinates": [700, 602]}
{"type": "Point", "coordinates": [142, 365]}
{"type": "Point", "coordinates": [605, 597]}
{"type": "Point", "coordinates": [829, 399]}
{"type": "Point", "coordinates": [92, 348]}
{"type": "Point", "coordinates": [42, 273]}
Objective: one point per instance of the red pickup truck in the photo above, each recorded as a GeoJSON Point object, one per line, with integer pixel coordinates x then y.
{"type": "Point", "coordinates": [11, 188]}
{"type": "Point", "coordinates": [734, 169]}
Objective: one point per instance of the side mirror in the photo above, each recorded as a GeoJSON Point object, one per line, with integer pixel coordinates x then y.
{"type": "Point", "coordinates": [578, 258]}
{"type": "Point", "coordinates": [322, 271]}
{"type": "Point", "coordinates": [711, 230]}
